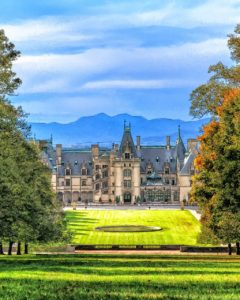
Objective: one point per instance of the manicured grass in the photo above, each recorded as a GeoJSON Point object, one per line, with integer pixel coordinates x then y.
{"type": "Point", "coordinates": [178, 227]}
{"type": "Point", "coordinates": [119, 277]}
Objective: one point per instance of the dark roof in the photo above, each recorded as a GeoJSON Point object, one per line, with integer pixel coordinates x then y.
{"type": "Point", "coordinates": [180, 149]}
{"type": "Point", "coordinates": [188, 161]}
{"type": "Point", "coordinates": [157, 157]}
{"type": "Point", "coordinates": [127, 142]}
{"type": "Point", "coordinates": [76, 160]}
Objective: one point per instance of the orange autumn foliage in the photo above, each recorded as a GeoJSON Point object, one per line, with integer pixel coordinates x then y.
{"type": "Point", "coordinates": [228, 99]}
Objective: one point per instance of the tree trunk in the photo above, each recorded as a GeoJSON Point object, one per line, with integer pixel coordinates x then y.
{"type": "Point", "coordinates": [26, 248]}
{"type": "Point", "coordinates": [237, 248]}
{"type": "Point", "coordinates": [229, 249]}
{"type": "Point", "coordinates": [10, 248]}
{"type": "Point", "coordinates": [19, 248]}
{"type": "Point", "coordinates": [1, 249]}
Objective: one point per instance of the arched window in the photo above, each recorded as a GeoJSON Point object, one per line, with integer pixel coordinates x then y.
{"type": "Point", "coordinates": [127, 173]}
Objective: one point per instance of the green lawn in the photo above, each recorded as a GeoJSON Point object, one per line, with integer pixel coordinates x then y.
{"type": "Point", "coordinates": [119, 277]}
{"type": "Point", "coordinates": [178, 227]}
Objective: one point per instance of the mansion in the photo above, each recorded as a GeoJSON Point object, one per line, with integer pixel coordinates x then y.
{"type": "Point", "coordinates": [126, 173]}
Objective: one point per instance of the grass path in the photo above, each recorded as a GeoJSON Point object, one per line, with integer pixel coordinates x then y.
{"type": "Point", "coordinates": [179, 227]}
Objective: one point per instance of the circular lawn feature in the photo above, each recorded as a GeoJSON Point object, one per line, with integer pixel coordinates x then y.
{"type": "Point", "coordinates": [128, 228]}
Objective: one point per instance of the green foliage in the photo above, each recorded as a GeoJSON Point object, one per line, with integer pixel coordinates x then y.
{"type": "Point", "coordinates": [207, 97]}
{"type": "Point", "coordinates": [120, 277]}
{"type": "Point", "coordinates": [28, 208]}
{"type": "Point", "coordinates": [229, 227]}
{"type": "Point", "coordinates": [8, 80]}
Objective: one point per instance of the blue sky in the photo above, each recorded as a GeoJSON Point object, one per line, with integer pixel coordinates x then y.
{"type": "Point", "coordinates": [139, 57]}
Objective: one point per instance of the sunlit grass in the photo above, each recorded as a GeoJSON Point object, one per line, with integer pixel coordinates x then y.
{"type": "Point", "coordinates": [119, 277]}
{"type": "Point", "coordinates": [179, 227]}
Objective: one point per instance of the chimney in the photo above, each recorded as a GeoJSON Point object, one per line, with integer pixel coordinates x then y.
{"type": "Point", "coordinates": [95, 150]}
{"type": "Point", "coordinates": [168, 146]}
{"type": "Point", "coordinates": [192, 145]}
{"type": "Point", "coordinates": [59, 154]}
{"type": "Point", "coordinates": [138, 142]}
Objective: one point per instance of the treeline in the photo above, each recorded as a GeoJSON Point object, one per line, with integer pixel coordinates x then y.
{"type": "Point", "coordinates": [216, 185]}
{"type": "Point", "coordinates": [29, 211]}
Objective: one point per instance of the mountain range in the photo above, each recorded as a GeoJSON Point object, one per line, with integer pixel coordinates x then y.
{"type": "Point", "coordinates": [105, 130]}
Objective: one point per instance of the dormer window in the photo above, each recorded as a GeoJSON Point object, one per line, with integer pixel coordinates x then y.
{"type": "Point", "coordinates": [157, 159]}
{"type": "Point", "coordinates": [68, 172]}
{"type": "Point", "coordinates": [76, 163]}
{"type": "Point", "coordinates": [166, 171]}
{"type": "Point", "coordinates": [84, 172]}
{"type": "Point", "coordinates": [127, 155]}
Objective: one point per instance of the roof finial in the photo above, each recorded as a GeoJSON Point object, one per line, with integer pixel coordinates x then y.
{"type": "Point", "coordinates": [51, 139]}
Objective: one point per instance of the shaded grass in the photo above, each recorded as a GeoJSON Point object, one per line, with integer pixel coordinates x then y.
{"type": "Point", "coordinates": [119, 277]}
{"type": "Point", "coordinates": [179, 227]}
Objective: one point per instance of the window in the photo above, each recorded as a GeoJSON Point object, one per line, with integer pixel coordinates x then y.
{"type": "Point", "coordinates": [105, 166]}
{"type": "Point", "coordinates": [166, 170]}
{"type": "Point", "coordinates": [68, 182]}
{"type": "Point", "coordinates": [84, 183]}
{"type": "Point", "coordinates": [68, 172]}
{"type": "Point", "coordinates": [127, 183]}
{"type": "Point", "coordinates": [105, 173]}
{"type": "Point", "coordinates": [84, 172]}
{"type": "Point", "coordinates": [97, 167]}
{"type": "Point", "coordinates": [167, 181]}
{"type": "Point", "coordinates": [127, 155]}
{"type": "Point", "coordinates": [97, 176]}
{"type": "Point", "coordinates": [158, 195]}
{"type": "Point", "coordinates": [173, 182]}
{"type": "Point", "coordinates": [105, 185]}
{"type": "Point", "coordinates": [97, 186]}
{"type": "Point", "coordinates": [127, 173]}
{"type": "Point", "coordinates": [76, 163]}
{"type": "Point", "coordinates": [157, 159]}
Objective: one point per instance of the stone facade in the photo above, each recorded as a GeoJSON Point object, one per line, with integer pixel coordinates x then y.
{"type": "Point", "coordinates": [126, 173]}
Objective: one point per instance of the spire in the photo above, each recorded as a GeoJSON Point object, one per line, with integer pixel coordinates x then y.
{"type": "Point", "coordinates": [127, 127]}
{"type": "Point", "coordinates": [51, 139]}
{"type": "Point", "coordinates": [179, 132]}
{"type": "Point", "coordinates": [180, 148]}
{"type": "Point", "coordinates": [179, 138]}
{"type": "Point", "coordinates": [127, 143]}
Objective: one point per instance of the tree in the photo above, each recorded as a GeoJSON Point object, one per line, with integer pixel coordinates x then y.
{"type": "Point", "coordinates": [28, 208]}
{"type": "Point", "coordinates": [216, 186]}
{"type": "Point", "coordinates": [229, 230]}
{"type": "Point", "coordinates": [8, 80]}
{"type": "Point", "coordinates": [206, 98]}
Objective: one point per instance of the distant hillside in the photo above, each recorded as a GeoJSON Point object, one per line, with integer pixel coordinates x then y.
{"type": "Point", "coordinates": [105, 130]}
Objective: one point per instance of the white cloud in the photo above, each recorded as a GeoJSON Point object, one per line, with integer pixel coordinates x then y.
{"type": "Point", "coordinates": [120, 68]}
{"type": "Point", "coordinates": [84, 28]}
{"type": "Point", "coordinates": [139, 84]}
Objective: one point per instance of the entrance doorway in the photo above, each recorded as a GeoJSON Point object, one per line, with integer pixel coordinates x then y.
{"type": "Point", "coordinates": [127, 198]}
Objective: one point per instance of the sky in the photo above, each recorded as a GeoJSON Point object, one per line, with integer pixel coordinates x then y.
{"type": "Point", "coordinates": [82, 58]}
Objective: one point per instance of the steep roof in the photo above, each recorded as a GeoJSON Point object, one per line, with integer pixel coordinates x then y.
{"type": "Point", "coordinates": [188, 161]}
{"type": "Point", "coordinates": [127, 142]}
{"type": "Point", "coordinates": [180, 149]}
